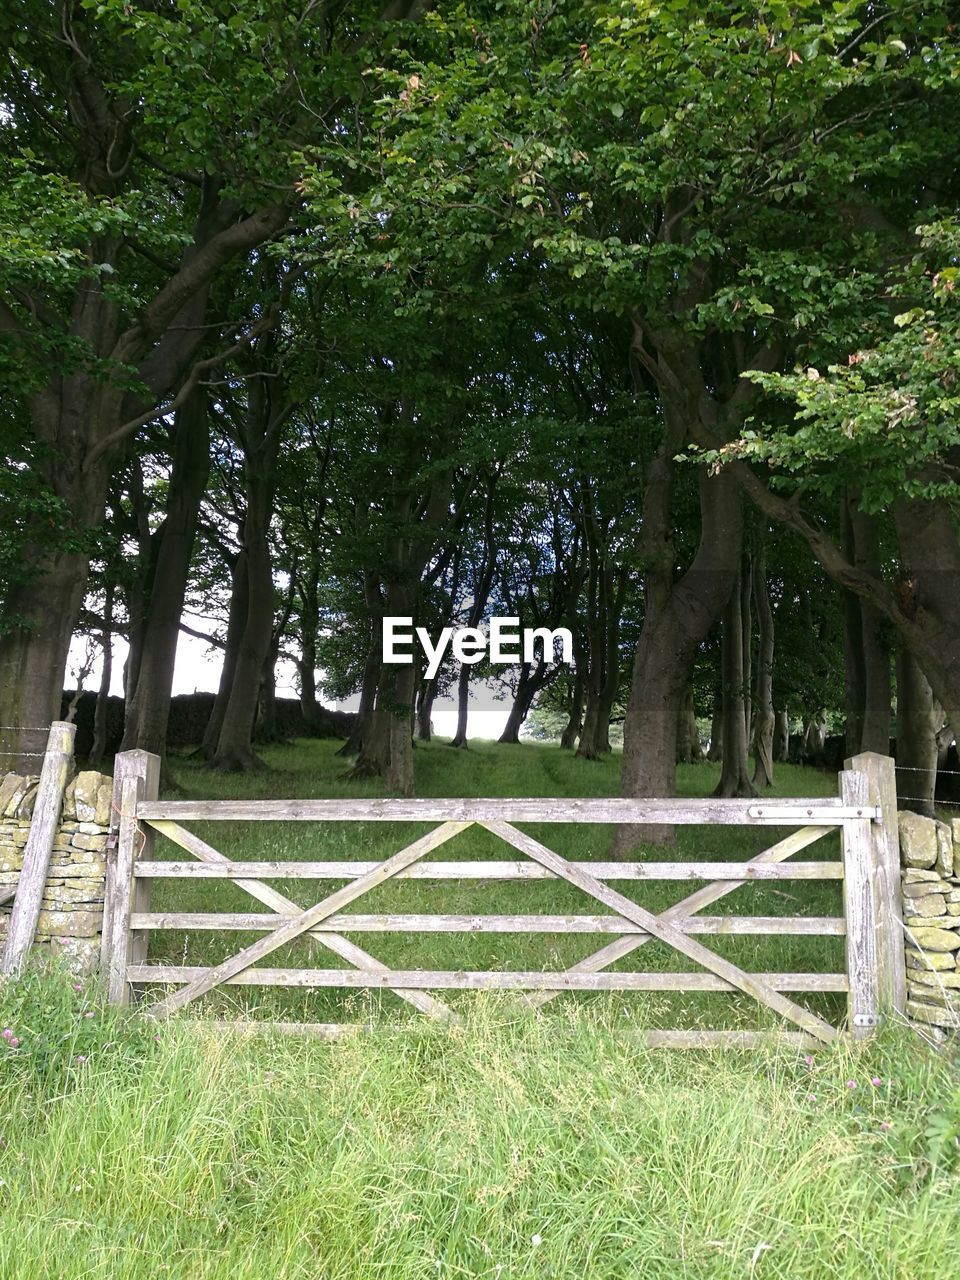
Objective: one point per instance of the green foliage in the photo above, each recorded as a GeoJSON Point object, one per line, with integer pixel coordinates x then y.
{"type": "Point", "coordinates": [887, 419]}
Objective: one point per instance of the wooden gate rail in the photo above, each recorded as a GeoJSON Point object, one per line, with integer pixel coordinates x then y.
{"type": "Point", "coordinates": [864, 812]}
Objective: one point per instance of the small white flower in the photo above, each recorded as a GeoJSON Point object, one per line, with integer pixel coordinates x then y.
{"type": "Point", "coordinates": [535, 1240]}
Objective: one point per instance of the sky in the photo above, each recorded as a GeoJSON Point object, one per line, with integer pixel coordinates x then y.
{"type": "Point", "coordinates": [198, 669]}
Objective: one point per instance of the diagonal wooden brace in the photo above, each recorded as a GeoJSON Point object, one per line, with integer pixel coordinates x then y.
{"type": "Point", "coordinates": [665, 932]}
{"type": "Point", "coordinates": [283, 905]}
{"type": "Point", "coordinates": [307, 920]}
{"type": "Point", "coordinates": [704, 897]}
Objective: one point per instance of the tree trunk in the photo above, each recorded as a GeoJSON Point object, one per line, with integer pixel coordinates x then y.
{"type": "Point", "coordinates": [138, 582]}
{"type": "Point", "coordinates": [735, 773]}
{"type": "Point", "coordinates": [765, 718]}
{"type": "Point", "coordinates": [33, 659]}
{"type": "Point", "coordinates": [362, 726]}
{"type": "Point", "coordinates": [814, 739]}
{"type": "Point", "coordinates": [425, 700]}
{"type": "Point", "coordinates": [399, 771]}
{"type": "Point", "coordinates": [689, 750]}
{"type": "Point", "coordinates": [267, 729]}
{"type": "Point", "coordinates": [148, 707]}
{"type": "Point", "coordinates": [308, 589]}
{"type": "Point", "coordinates": [715, 751]}
{"type": "Point", "coordinates": [234, 751]}
{"type": "Point", "coordinates": [781, 738]}
{"type": "Point", "coordinates": [677, 618]}
{"type": "Point", "coordinates": [387, 751]}
{"type": "Point", "coordinates": [532, 680]}
{"type": "Point", "coordinates": [855, 680]}
{"type": "Point", "coordinates": [875, 733]}
{"type": "Point", "coordinates": [370, 679]}
{"type": "Point", "coordinates": [99, 745]}
{"type": "Point", "coordinates": [916, 737]}
{"type": "Point", "coordinates": [260, 436]}
{"type": "Point", "coordinates": [574, 724]}
{"type": "Point", "coordinates": [522, 702]}
{"type": "Point", "coordinates": [746, 626]}
{"type": "Point", "coordinates": [459, 739]}
{"type": "Point", "coordinates": [239, 604]}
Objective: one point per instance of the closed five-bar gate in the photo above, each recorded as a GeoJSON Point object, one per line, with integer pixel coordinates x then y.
{"type": "Point", "coordinates": [864, 812]}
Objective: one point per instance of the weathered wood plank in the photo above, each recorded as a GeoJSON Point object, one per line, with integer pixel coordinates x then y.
{"type": "Point", "coordinates": [859, 910]}
{"type": "Point", "coordinates": [253, 921]}
{"type": "Point", "coordinates": [119, 891]}
{"type": "Point", "coordinates": [146, 766]}
{"type": "Point", "coordinates": [667, 932]}
{"type": "Point", "coordinates": [285, 906]}
{"type": "Point", "coordinates": [7, 892]}
{"type": "Point", "coordinates": [819, 811]}
{"type": "Point", "coordinates": [308, 919]}
{"type": "Point", "coordinates": [478, 870]}
{"type": "Point", "coordinates": [669, 1039]}
{"type": "Point", "coordinates": [796, 1041]}
{"type": "Point", "coordinates": [47, 805]}
{"type": "Point", "coordinates": [484, 980]}
{"type": "Point", "coordinates": [705, 897]}
{"type": "Point", "coordinates": [885, 880]}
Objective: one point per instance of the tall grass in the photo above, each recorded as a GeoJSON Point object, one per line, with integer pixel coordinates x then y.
{"type": "Point", "coordinates": [516, 1145]}
{"type": "Point", "coordinates": [506, 1148]}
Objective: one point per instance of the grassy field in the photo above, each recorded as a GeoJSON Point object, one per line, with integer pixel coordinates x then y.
{"type": "Point", "coordinates": [513, 1146]}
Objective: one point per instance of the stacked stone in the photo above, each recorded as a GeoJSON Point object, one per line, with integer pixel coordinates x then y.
{"type": "Point", "coordinates": [930, 857]}
{"type": "Point", "coordinates": [71, 913]}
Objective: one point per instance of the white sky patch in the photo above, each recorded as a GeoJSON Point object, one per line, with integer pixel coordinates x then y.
{"type": "Point", "coordinates": [198, 671]}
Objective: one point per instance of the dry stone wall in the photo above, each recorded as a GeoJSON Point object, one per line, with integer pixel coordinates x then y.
{"type": "Point", "coordinates": [930, 859]}
{"type": "Point", "coordinates": [71, 912]}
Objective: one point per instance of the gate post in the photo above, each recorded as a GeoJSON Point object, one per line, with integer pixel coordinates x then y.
{"type": "Point", "coordinates": [871, 856]}
{"type": "Point", "coordinates": [45, 820]}
{"type": "Point", "coordinates": [136, 777]}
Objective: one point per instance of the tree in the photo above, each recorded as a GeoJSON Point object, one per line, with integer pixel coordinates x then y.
{"type": "Point", "coordinates": [141, 150]}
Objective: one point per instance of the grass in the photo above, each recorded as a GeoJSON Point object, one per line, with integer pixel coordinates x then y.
{"type": "Point", "coordinates": [505, 1149]}
{"type": "Point", "coordinates": [512, 1147]}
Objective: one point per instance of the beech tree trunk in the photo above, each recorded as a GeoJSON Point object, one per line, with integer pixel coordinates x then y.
{"type": "Point", "coordinates": [370, 679]}
{"type": "Point", "coordinates": [399, 770]}
{"type": "Point", "coordinates": [916, 737]}
{"type": "Point", "coordinates": [677, 618]}
{"type": "Point", "coordinates": [425, 700]}
{"type": "Point", "coordinates": [781, 737]}
{"type": "Point", "coordinates": [873, 676]}
{"type": "Point", "coordinates": [259, 434]}
{"type": "Point", "coordinates": [99, 744]}
{"type": "Point", "coordinates": [236, 619]}
{"type": "Point", "coordinates": [33, 660]}
{"type": "Point", "coordinates": [715, 751]}
{"type": "Point", "coordinates": [746, 627]}
{"type": "Point", "coordinates": [689, 749]}
{"type": "Point", "coordinates": [765, 717]}
{"type": "Point", "coordinates": [459, 739]}
{"type": "Point", "coordinates": [527, 687]}
{"type": "Point", "coordinates": [735, 772]}
{"type": "Point", "coordinates": [574, 724]}
{"type": "Point", "coordinates": [148, 706]}
{"type": "Point", "coordinates": [266, 727]}
{"type": "Point", "coordinates": [362, 726]}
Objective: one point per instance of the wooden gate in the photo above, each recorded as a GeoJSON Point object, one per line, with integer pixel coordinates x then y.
{"type": "Point", "coordinates": [864, 812]}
